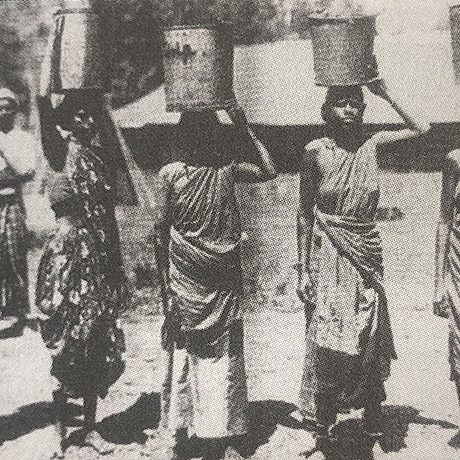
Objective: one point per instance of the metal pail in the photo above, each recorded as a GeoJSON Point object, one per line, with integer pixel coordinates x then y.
{"type": "Point", "coordinates": [454, 14]}
{"type": "Point", "coordinates": [343, 50]}
{"type": "Point", "coordinates": [198, 67]}
{"type": "Point", "coordinates": [80, 59]}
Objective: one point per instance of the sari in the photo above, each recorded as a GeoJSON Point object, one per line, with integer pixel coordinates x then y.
{"type": "Point", "coordinates": [205, 386]}
{"type": "Point", "coordinates": [81, 289]}
{"type": "Point", "coordinates": [349, 339]}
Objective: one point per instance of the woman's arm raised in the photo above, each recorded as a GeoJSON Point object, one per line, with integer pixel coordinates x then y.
{"type": "Point", "coordinates": [54, 146]}
{"type": "Point", "coordinates": [248, 171]}
{"type": "Point", "coordinates": [415, 125]}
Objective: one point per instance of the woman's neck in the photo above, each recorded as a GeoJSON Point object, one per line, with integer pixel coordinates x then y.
{"type": "Point", "coordinates": [348, 139]}
{"type": "Point", "coordinates": [85, 141]}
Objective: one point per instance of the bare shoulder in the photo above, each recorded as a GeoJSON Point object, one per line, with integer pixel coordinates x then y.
{"type": "Point", "coordinates": [312, 149]}
{"type": "Point", "coordinates": [453, 160]}
{"type": "Point", "coordinates": [171, 170]}
{"type": "Point", "coordinates": [25, 135]}
{"type": "Point", "coordinates": [318, 144]}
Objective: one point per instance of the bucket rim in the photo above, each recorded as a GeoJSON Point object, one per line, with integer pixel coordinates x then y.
{"type": "Point", "coordinates": [322, 84]}
{"type": "Point", "coordinates": [200, 107]}
{"type": "Point", "coordinates": [321, 18]}
{"type": "Point", "coordinates": [208, 26]}
{"type": "Point", "coordinates": [75, 10]}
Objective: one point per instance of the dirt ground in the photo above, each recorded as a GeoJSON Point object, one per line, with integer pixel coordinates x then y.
{"type": "Point", "coordinates": [422, 413]}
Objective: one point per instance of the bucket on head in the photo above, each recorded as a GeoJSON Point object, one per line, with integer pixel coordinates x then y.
{"type": "Point", "coordinates": [343, 50]}
{"type": "Point", "coordinates": [198, 67]}
{"type": "Point", "coordinates": [80, 60]}
{"type": "Point", "coordinates": [454, 14]}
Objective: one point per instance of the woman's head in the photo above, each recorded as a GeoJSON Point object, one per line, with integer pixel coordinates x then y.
{"type": "Point", "coordinates": [344, 107]}
{"type": "Point", "coordinates": [79, 114]}
{"type": "Point", "coordinates": [199, 138]}
{"type": "Point", "coordinates": [8, 109]}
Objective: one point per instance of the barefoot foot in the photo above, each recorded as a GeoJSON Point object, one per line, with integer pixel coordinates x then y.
{"type": "Point", "coordinates": [57, 454]}
{"type": "Point", "coordinates": [98, 443]}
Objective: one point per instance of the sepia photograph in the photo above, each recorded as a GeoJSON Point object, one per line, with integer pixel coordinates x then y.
{"type": "Point", "coordinates": [230, 229]}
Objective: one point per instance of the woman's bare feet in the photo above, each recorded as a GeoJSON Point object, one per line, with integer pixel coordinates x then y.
{"type": "Point", "coordinates": [98, 443]}
{"type": "Point", "coordinates": [58, 450]}
{"type": "Point", "coordinates": [373, 421]}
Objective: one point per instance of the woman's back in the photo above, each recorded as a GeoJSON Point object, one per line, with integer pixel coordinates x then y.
{"type": "Point", "coordinates": [203, 205]}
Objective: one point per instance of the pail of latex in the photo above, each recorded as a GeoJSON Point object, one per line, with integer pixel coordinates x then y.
{"type": "Point", "coordinates": [343, 50]}
{"type": "Point", "coordinates": [80, 58]}
{"type": "Point", "coordinates": [198, 67]}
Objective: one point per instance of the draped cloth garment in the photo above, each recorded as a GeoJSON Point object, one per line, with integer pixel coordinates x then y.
{"type": "Point", "coordinates": [81, 289]}
{"type": "Point", "coordinates": [17, 154]}
{"type": "Point", "coordinates": [14, 284]}
{"type": "Point", "coordinates": [453, 288]}
{"type": "Point", "coordinates": [205, 386]}
{"type": "Point", "coordinates": [349, 339]}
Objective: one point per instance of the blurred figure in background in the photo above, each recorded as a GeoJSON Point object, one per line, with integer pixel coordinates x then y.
{"type": "Point", "coordinates": [446, 302]}
{"type": "Point", "coordinates": [17, 166]}
{"type": "Point", "coordinates": [198, 235]}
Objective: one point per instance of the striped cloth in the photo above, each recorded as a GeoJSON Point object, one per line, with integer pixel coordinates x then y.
{"type": "Point", "coordinates": [14, 296]}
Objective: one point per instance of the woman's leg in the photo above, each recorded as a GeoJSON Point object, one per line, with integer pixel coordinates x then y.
{"type": "Point", "coordinates": [374, 395]}
{"type": "Point", "coordinates": [330, 381]}
{"type": "Point", "coordinates": [373, 423]}
{"type": "Point", "coordinates": [326, 412]}
{"type": "Point", "coordinates": [180, 444]}
{"type": "Point", "coordinates": [59, 420]}
{"type": "Point", "coordinates": [92, 437]}
{"type": "Point", "coordinates": [90, 408]}
{"type": "Point", "coordinates": [457, 385]}
{"type": "Point", "coordinates": [215, 449]}
{"type": "Point", "coordinates": [455, 440]}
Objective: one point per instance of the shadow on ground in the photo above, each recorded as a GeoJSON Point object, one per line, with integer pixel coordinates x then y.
{"type": "Point", "coordinates": [351, 443]}
{"type": "Point", "coordinates": [397, 421]}
{"type": "Point", "coordinates": [30, 418]}
{"type": "Point", "coordinates": [128, 426]}
{"type": "Point", "coordinates": [264, 417]}
{"type": "Point", "coordinates": [25, 420]}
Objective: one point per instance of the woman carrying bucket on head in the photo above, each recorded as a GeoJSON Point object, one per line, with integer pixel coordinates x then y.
{"type": "Point", "coordinates": [198, 236]}
{"type": "Point", "coordinates": [81, 289]}
{"type": "Point", "coordinates": [349, 338]}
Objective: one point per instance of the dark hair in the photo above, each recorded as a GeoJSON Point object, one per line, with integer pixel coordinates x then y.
{"type": "Point", "coordinates": [74, 101]}
{"type": "Point", "coordinates": [337, 93]}
{"type": "Point", "coordinates": [199, 139]}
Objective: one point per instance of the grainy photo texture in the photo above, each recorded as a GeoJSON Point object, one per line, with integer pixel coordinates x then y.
{"type": "Point", "coordinates": [230, 229]}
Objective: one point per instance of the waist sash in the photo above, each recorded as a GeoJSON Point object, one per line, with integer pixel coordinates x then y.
{"type": "Point", "coordinates": [359, 241]}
